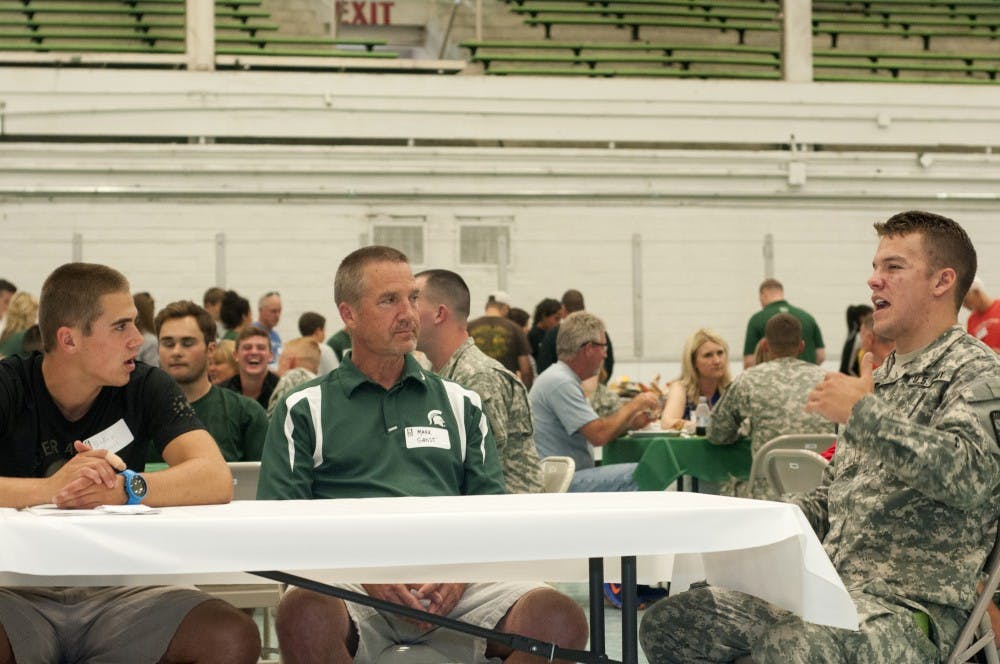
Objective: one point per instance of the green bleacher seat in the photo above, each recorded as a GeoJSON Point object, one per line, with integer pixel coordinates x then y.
{"type": "Point", "coordinates": [284, 41]}
{"type": "Point", "coordinates": [634, 24]}
{"type": "Point", "coordinates": [305, 53]}
{"type": "Point", "coordinates": [625, 72]}
{"type": "Point", "coordinates": [592, 60]}
{"type": "Point", "coordinates": [577, 47]}
{"type": "Point", "coordinates": [621, 11]}
{"type": "Point", "coordinates": [105, 47]}
{"type": "Point", "coordinates": [925, 34]}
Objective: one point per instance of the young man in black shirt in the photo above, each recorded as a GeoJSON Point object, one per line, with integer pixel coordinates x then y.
{"type": "Point", "coordinates": [75, 425]}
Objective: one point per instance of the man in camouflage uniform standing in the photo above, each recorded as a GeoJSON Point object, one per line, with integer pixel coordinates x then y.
{"type": "Point", "coordinates": [444, 311]}
{"type": "Point", "coordinates": [772, 396]}
{"type": "Point", "coordinates": [908, 508]}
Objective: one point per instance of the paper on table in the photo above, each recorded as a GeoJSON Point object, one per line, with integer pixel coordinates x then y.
{"type": "Point", "coordinates": [52, 510]}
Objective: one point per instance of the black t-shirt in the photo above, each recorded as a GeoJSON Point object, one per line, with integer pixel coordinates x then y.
{"type": "Point", "coordinates": [266, 390]}
{"type": "Point", "coordinates": [34, 435]}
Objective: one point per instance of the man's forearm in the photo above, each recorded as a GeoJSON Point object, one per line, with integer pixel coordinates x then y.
{"type": "Point", "coordinates": [602, 431]}
{"type": "Point", "coordinates": [192, 482]}
{"type": "Point", "coordinates": [24, 491]}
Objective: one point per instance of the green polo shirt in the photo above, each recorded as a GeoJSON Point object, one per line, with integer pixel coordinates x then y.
{"type": "Point", "coordinates": [237, 424]}
{"type": "Point", "coordinates": [810, 330]}
{"type": "Point", "coordinates": [345, 436]}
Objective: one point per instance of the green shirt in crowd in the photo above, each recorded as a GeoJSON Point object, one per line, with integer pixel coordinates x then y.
{"type": "Point", "coordinates": [237, 424]}
{"type": "Point", "coordinates": [340, 342]}
{"type": "Point", "coordinates": [345, 436]}
{"type": "Point", "coordinates": [13, 345]}
{"type": "Point", "coordinates": [810, 330]}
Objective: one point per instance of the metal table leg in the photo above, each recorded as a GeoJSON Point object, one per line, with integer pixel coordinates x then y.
{"type": "Point", "coordinates": [630, 621]}
{"type": "Point", "coordinates": [597, 606]}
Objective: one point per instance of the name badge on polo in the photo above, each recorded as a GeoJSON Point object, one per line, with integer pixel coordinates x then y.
{"type": "Point", "coordinates": [427, 437]}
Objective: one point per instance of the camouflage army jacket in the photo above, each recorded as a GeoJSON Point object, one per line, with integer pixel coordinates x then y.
{"type": "Point", "coordinates": [910, 501]}
{"type": "Point", "coordinates": [505, 402]}
{"type": "Point", "coordinates": [773, 396]}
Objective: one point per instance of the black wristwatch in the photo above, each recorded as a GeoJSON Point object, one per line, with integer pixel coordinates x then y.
{"type": "Point", "coordinates": [135, 487]}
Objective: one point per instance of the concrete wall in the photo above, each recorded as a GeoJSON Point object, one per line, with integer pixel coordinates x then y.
{"type": "Point", "coordinates": [287, 214]}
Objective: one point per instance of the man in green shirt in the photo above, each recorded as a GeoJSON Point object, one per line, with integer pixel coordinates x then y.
{"type": "Point", "coordinates": [186, 333]}
{"type": "Point", "coordinates": [380, 426]}
{"type": "Point", "coordinates": [772, 302]}
{"type": "Point", "coordinates": [340, 342]}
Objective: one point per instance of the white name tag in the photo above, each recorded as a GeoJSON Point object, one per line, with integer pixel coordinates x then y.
{"type": "Point", "coordinates": [427, 437]}
{"type": "Point", "coordinates": [115, 437]}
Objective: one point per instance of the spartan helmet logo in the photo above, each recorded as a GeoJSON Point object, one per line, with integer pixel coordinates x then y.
{"type": "Point", "coordinates": [434, 417]}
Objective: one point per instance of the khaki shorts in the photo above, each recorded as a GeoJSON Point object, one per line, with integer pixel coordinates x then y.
{"type": "Point", "coordinates": [104, 625]}
{"type": "Point", "coordinates": [482, 604]}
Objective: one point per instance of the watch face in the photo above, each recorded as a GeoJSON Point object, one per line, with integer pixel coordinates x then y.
{"type": "Point", "coordinates": [137, 485]}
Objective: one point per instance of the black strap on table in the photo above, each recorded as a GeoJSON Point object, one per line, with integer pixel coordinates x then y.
{"type": "Point", "coordinates": [515, 641]}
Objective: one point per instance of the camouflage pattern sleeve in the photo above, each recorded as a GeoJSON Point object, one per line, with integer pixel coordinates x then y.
{"type": "Point", "coordinates": [505, 403]}
{"type": "Point", "coordinates": [483, 472]}
{"type": "Point", "coordinates": [724, 427]}
{"type": "Point", "coordinates": [953, 458]}
{"type": "Point", "coordinates": [521, 459]}
{"type": "Point", "coordinates": [604, 401]}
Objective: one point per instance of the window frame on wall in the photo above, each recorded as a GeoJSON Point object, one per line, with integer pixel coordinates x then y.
{"type": "Point", "coordinates": [501, 224]}
{"type": "Point", "coordinates": [417, 253]}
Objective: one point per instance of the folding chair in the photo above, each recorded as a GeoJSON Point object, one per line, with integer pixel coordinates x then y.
{"type": "Point", "coordinates": [557, 473]}
{"type": "Point", "coordinates": [245, 476]}
{"type": "Point", "coordinates": [977, 635]}
{"type": "Point", "coordinates": [813, 442]}
{"type": "Point", "coordinates": [793, 471]}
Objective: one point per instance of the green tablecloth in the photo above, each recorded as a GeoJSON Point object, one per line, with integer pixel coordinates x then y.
{"type": "Point", "coordinates": [662, 459]}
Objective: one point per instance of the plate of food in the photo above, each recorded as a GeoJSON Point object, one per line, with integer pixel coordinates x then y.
{"type": "Point", "coordinates": [653, 429]}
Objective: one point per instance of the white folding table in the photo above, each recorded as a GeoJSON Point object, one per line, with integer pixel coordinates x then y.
{"type": "Point", "coordinates": [762, 548]}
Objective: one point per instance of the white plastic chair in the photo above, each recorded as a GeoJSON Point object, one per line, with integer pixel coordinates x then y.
{"type": "Point", "coordinates": [813, 442]}
{"type": "Point", "coordinates": [793, 471]}
{"type": "Point", "coordinates": [557, 473]}
{"type": "Point", "coordinates": [245, 477]}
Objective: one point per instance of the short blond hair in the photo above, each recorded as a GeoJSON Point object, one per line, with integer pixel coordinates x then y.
{"type": "Point", "coordinates": [305, 350]}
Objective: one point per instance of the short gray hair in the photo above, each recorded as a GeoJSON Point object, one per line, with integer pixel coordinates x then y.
{"type": "Point", "coordinates": [576, 330]}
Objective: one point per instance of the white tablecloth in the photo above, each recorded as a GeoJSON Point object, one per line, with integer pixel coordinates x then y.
{"type": "Point", "coordinates": [763, 548]}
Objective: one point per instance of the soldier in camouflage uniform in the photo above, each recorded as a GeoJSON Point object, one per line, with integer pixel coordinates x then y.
{"type": "Point", "coordinates": [772, 396]}
{"type": "Point", "coordinates": [298, 364]}
{"type": "Point", "coordinates": [444, 309]}
{"type": "Point", "coordinates": [908, 508]}
{"type": "Point", "coordinates": [604, 401]}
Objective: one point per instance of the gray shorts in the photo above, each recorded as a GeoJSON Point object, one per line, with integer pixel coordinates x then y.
{"type": "Point", "coordinates": [104, 625]}
{"type": "Point", "coordinates": [482, 604]}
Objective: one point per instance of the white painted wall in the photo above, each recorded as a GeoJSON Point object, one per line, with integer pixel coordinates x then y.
{"type": "Point", "coordinates": [290, 213]}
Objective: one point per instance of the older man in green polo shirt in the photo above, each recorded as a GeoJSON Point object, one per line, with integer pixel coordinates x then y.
{"type": "Point", "coordinates": [389, 428]}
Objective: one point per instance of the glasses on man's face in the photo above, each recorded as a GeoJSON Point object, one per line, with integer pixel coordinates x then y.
{"type": "Point", "coordinates": [594, 343]}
